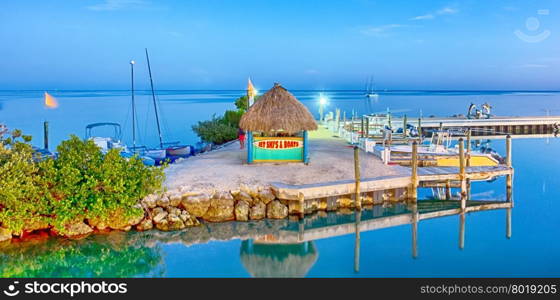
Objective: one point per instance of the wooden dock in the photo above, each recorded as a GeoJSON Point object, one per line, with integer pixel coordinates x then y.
{"type": "Point", "coordinates": [494, 126]}
{"type": "Point", "coordinates": [327, 194]}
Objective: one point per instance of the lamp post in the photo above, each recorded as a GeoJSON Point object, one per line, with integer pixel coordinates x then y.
{"type": "Point", "coordinates": [322, 103]}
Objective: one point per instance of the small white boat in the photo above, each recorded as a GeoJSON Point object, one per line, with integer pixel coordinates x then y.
{"type": "Point", "coordinates": [157, 154]}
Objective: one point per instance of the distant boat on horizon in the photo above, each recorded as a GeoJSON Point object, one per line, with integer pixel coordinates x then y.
{"type": "Point", "coordinates": [370, 89]}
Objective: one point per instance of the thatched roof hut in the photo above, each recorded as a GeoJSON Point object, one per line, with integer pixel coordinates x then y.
{"type": "Point", "coordinates": [278, 110]}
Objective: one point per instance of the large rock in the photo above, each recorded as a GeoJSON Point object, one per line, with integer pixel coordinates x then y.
{"type": "Point", "coordinates": [145, 224]}
{"type": "Point", "coordinates": [221, 208]}
{"type": "Point", "coordinates": [174, 223]}
{"type": "Point", "coordinates": [244, 196]}
{"type": "Point", "coordinates": [77, 230]}
{"type": "Point", "coordinates": [276, 210]}
{"type": "Point", "coordinates": [117, 220]}
{"type": "Point", "coordinates": [242, 211]}
{"type": "Point", "coordinates": [188, 219]}
{"type": "Point", "coordinates": [266, 195]}
{"type": "Point", "coordinates": [163, 201]}
{"type": "Point", "coordinates": [175, 199]}
{"type": "Point", "coordinates": [149, 201]}
{"type": "Point", "coordinates": [196, 205]}
{"type": "Point", "coordinates": [158, 214]}
{"type": "Point", "coordinates": [258, 211]}
{"type": "Point", "coordinates": [5, 234]}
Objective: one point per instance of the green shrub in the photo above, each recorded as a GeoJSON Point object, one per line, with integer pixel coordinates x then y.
{"type": "Point", "coordinates": [241, 102]}
{"type": "Point", "coordinates": [22, 192]}
{"type": "Point", "coordinates": [215, 131]}
{"type": "Point", "coordinates": [82, 183]}
{"type": "Point", "coordinates": [232, 117]}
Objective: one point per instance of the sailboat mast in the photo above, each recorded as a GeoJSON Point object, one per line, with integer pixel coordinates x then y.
{"type": "Point", "coordinates": [133, 106]}
{"type": "Point", "coordinates": [154, 100]}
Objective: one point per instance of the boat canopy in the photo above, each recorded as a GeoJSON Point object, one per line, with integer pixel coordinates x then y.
{"type": "Point", "coordinates": [116, 128]}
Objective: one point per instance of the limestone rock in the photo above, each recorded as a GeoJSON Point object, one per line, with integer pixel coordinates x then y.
{"type": "Point", "coordinates": [149, 201]}
{"type": "Point", "coordinates": [163, 201]}
{"type": "Point", "coordinates": [196, 205]}
{"type": "Point", "coordinates": [175, 199]}
{"type": "Point", "coordinates": [345, 202]}
{"type": "Point", "coordinates": [77, 230]}
{"type": "Point", "coordinates": [188, 219]}
{"type": "Point", "coordinates": [174, 223]}
{"type": "Point", "coordinates": [276, 210]}
{"type": "Point", "coordinates": [266, 196]}
{"type": "Point", "coordinates": [258, 211]}
{"type": "Point", "coordinates": [242, 211]}
{"type": "Point", "coordinates": [221, 208]}
{"type": "Point", "coordinates": [144, 225]}
{"type": "Point", "coordinates": [159, 215]}
{"type": "Point", "coordinates": [173, 210]}
{"type": "Point", "coordinates": [5, 234]}
{"type": "Point", "coordinates": [244, 196]}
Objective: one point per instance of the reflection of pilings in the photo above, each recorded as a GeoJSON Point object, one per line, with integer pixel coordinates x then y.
{"type": "Point", "coordinates": [462, 218]}
{"type": "Point", "coordinates": [508, 223]}
{"type": "Point", "coordinates": [462, 174]}
{"type": "Point", "coordinates": [357, 243]}
{"type": "Point", "coordinates": [509, 177]}
{"type": "Point", "coordinates": [414, 231]}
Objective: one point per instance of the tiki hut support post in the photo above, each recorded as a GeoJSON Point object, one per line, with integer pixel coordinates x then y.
{"type": "Point", "coordinates": [305, 148]}
{"type": "Point", "coordinates": [249, 147]}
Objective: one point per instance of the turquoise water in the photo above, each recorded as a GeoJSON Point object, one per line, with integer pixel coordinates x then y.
{"type": "Point", "coordinates": [234, 250]}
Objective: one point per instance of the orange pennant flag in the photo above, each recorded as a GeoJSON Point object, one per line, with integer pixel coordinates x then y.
{"type": "Point", "coordinates": [50, 101]}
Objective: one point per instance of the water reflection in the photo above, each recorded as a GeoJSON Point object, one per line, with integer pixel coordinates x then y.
{"type": "Point", "coordinates": [269, 248]}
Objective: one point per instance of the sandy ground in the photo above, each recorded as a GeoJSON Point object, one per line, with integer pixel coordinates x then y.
{"type": "Point", "coordinates": [331, 159]}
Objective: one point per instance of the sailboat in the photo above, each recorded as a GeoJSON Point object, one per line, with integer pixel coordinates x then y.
{"type": "Point", "coordinates": [370, 91]}
{"type": "Point", "coordinates": [167, 150]}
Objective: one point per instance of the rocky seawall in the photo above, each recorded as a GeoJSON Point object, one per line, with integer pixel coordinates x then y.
{"type": "Point", "coordinates": [179, 208]}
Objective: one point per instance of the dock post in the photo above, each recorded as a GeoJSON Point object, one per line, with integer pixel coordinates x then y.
{"type": "Point", "coordinates": [358, 199]}
{"type": "Point", "coordinates": [462, 174]}
{"type": "Point", "coordinates": [404, 126]}
{"type": "Point", "coordinates": [46, 135]}
{"type": "Point", "coordinates": [413, 191]}
{"type": "Point", "coordinates": [362, 128]}
{"type": "Point", "coordinates": [420, 129]}
{"type": "Point", "coordinates": [509, 177]}
{"type": "Point", "coordinates": [448, 190]}
{"type": "Point", "coordinates": [440, 126]}
{"type": "Point", "coordinates": [301, 200]}
{"type": "Point", "coordinates": [357, 243]}
{"type": "Point", "coordinates": [367, 127]}
{"type": "Point", "coordinates": [337, 120]}
{"type": "Point", "coordinates": [468, 147]}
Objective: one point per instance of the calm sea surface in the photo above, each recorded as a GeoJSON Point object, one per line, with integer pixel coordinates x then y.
{"type": "Point", "coordinates": [216, 250]}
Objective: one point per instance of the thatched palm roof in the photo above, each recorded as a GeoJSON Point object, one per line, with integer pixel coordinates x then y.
{"type": "Point", "coordinates": [278, 110]}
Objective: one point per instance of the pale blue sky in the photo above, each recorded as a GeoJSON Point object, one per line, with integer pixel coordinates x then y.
{"type": "Point", "coordinates": [87, 44]}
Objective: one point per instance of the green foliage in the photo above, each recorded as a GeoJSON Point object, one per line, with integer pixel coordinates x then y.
{"type": "Point", "coordinates": [241, 102]}
{"type": "Point", "coordinates": [223, 129]}
{"type": "Point", "coordinates": [232, 117]}
{"type": "Point", "coordinates": [22, 193]}
{"type": "Point", "coordinates": [215, 131]}
{"type": "Point", "coordinates": [82, 183]}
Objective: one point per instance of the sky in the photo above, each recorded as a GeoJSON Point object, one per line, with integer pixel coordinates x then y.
{"type": "Point", "coordinates": [311, 44]}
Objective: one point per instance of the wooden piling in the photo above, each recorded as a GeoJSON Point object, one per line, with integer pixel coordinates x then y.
{"type": "Point", "coordinates": [46, 134]}
{"type": "Point", "coordinates": [462, 173]}
{"type": "Point", "coordinates": [301, 199]}
{"type": "Point", "coordinates": [404, 126]}
{"type": "Point", "coordinates": [362, 128]}
{"type": "Point", "coordinates": [448, 190]}
{"type": "Point", "coordinates": [357, 199]}
{"type": "Point", "coordinates": [468, 147]}
{"type": "Point", "coordinates": [508, 223]}
{"type": "Point", "coordinates": [413, 191]}
{"type": "Point", "coordinates": [420, 129]}
{"type": "Point", "coordinates": [367, 127]}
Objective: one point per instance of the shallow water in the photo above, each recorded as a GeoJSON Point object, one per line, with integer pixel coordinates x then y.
{"type": "Point", "coordinates": [230, 249]}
